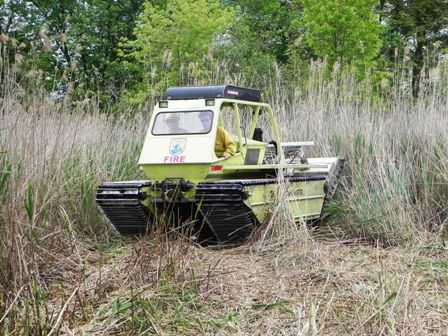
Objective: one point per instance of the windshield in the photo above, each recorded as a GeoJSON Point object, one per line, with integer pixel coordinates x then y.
{"type": "Point", "coordinates": [185, 122]}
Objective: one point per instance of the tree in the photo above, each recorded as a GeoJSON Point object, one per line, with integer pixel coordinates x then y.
{"type": "Point", "coordinates": [346, 31]}
{"type": "Point", "coordinates": [20, 24]}
{"type": "Point", "coordinates": [258, 40]}
{"type": "Point", "coordinates": [420, 24]}
{"type": "Point", "coordinates": [264, 25]}
{"type": "Point", "coordinates": [101, 27]}
{"type": "Point", "coordinates": [171, 38]}
{"type": "Point", "coordinates": [70, 40]}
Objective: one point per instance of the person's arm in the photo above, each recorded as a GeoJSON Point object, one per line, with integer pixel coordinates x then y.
{"type": "Point", "coordinates": [229, 145]}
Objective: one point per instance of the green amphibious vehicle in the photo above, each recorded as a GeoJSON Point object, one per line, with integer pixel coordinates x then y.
{"type": "Point", "coordinates": [221, 200]}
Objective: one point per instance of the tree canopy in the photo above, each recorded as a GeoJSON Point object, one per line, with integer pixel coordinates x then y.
{"type": "Point", "coordinates": [342, 30]}
{"type": "Point", "coordinates": [130, 48]}
{"type": "Point", "coordinates": [173, 38]}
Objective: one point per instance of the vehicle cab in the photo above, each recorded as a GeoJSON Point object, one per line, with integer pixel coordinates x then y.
{"type": "Point", "coordinates": [180, 141]}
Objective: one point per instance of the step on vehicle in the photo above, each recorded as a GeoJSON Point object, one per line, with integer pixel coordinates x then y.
{"type": "Point", "coordinates": [220, 200]}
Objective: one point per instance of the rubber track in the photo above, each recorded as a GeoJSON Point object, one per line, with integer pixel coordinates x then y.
{"type": "Point", "coordinates": [120, 203]}
{"type": "Point", "coordinates": [221, 205]}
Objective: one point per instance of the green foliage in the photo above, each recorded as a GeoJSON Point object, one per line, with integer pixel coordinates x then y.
{"type": "Point", "coordinates": [169, 41]}
{"type": "Point", "coordinates": [29, 202]}
{"type": "Point", "coordinates": [5, 173]}
{"type": "Point", "coordinates": [419, 27]}
{"type": "Point", "coordinates": [72, 42]}
{"type": "Point", "coordinates": [342, 31]}
{"type": "Point", "coordinates": [104, 50]}
{"type": "Point", "coordinates": [102, 26]}
{"type": "Point", "coordinates": [263, 28]}
{"type": "Point", "coordinates": [259, 41]}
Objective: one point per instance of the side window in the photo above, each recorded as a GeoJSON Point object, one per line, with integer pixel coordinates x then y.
{"type": "Point", "coordinates": [245, 113]}
{"type": "Point", "coordinates": [246, 116]}
{"type": "Point", "coordinates": [265, 126]}
{"type": "Point", "coordinates": [228, 121]}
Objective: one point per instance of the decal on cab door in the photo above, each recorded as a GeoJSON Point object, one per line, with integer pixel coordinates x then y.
{"type": "Point", "coordinates": [177, 147]}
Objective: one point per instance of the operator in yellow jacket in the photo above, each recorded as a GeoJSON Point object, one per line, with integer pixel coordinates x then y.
{"type": "Point", "coordinates": [224, 145]}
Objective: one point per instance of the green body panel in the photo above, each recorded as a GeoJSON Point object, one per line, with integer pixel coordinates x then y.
{"type": "Point", "coordinates": [305, 199]}
{"type": "Point", "coordinates": [261, 199]}
{"type": "Point", "coordinates": [194, 172]}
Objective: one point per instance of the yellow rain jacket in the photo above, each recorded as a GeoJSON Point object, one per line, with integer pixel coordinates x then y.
{"type": "Point", "coordinates": [224, 143]}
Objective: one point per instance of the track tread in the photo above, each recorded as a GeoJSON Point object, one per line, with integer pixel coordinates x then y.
{"type": "Point", "coordinates": [221, 205]}
{"type": "Point", "coordinates": [120, 203]}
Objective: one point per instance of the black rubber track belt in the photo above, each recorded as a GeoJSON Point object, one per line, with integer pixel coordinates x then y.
{"type": "Point", "coordinates": [226, 218]}
{"type": "Point", "coordinates": [221, 204]}
{"type": "Point", "coordinates": [120, 203]}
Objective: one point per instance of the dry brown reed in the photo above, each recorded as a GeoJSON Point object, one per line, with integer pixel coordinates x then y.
{"type": "Point", "coordinates": [395, 187]}
{"type": "Point", "coordinates": [64, 271]}
{"type": "Point", "coordinates": [55, 155]}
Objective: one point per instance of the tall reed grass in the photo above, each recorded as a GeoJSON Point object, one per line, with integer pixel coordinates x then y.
{"type": "Point", "coordinates": [53, 155]}
{"type": "Point", "coordinates": [396, 179]}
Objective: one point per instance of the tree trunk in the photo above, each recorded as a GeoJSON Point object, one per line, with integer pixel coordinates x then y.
{"type": "Point", "coordinates": [418, 64]}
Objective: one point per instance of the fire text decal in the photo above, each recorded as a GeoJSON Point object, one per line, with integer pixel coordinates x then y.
{"type": "Point", "coordinates": [177, 147]}
{"type": "Point", "coordinates": [174, 159]}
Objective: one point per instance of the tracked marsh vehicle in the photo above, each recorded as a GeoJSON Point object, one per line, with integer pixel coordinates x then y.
{"type": "Point", "coordinates": [221, 200]}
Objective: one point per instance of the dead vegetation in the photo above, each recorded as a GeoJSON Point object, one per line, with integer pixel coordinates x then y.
{"type": "Point", "coordinates": [290, 287]}
{"type": "Point", "coordinates": [378, 266]}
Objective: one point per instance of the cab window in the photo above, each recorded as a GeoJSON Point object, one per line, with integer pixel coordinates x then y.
{"type": "Point", "coordinates": [185, 122]}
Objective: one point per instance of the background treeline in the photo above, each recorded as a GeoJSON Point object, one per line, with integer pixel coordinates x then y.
{"type": "Point", "coordinates": [130, 50]}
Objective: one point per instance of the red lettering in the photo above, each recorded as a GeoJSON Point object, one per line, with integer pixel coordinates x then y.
{"type": "Point", "coordinates": [174, 159]}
